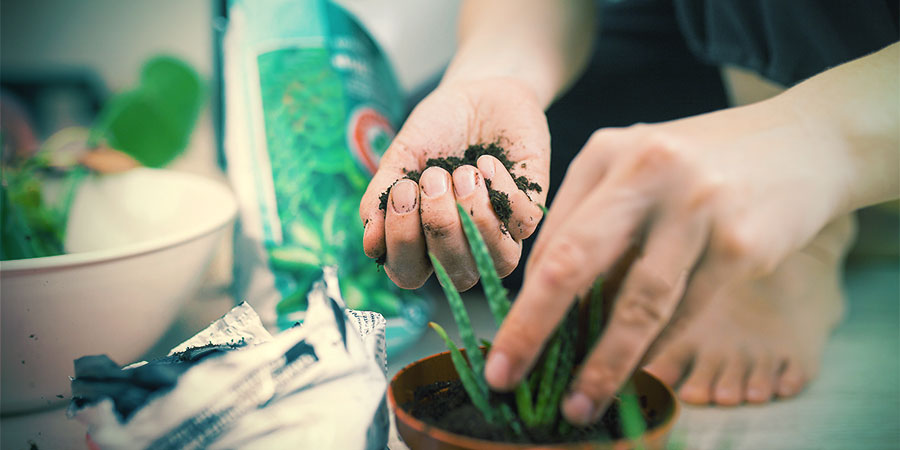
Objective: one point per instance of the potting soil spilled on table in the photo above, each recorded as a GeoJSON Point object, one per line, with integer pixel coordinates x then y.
{"type": "Point", "coordinates": [446, 405]}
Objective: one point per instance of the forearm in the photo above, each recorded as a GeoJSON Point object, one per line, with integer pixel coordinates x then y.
{"type": "Point", "coordinates": [544, 44]}
{"type": "Point", "coordinates": [856, 105]}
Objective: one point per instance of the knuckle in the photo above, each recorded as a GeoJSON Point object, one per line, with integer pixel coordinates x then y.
{"type": "Point", "coordinates": [440, 226]}
{"type": "Point", "coordinates": [706, 189]}
{"type": "Point", "coordinates": [641, 309]}
{"type": "Point", "coordinates": [564, 259]}
{"type": "Point", "coordinates": [519, 340]}
{"type": "Point", "coordinates": [506, 265]}
{"type": "Point", "coordinates": [655, 153]}
{"type": "Point", "coordinates": [598, 381]}
{"type": "Point", "coordinates": [740, 246]}
{"type": "Point", "coordinates": [464, 282]}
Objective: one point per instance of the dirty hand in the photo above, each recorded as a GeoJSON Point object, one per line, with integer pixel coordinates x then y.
{"type": "Point", "coordinates": [707, 200]}
{"type": "Point", "coordinates": [422, 217]}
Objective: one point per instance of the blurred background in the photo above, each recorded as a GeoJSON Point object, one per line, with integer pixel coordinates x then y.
{"type": "Point", "coordinates": [62, 61]}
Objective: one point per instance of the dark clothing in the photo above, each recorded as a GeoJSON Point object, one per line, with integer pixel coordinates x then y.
{"type": "Point", "coordinates": [787, 41]}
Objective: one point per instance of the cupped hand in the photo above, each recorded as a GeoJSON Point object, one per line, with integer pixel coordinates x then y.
{"type": "Point", "coordinates": [707, 201]}
{"type": "Point", "coordinates": [421, 217]}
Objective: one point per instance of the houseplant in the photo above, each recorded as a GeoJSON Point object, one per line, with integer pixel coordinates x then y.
{"type": "Point", "coordinates": [443, 401]}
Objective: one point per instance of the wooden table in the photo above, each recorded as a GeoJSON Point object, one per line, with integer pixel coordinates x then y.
{"type": "Point", "coordinates": [853, 404]}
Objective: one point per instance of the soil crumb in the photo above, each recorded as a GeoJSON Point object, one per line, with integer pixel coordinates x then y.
{"type": "Point", "coordinates": [470, 157]}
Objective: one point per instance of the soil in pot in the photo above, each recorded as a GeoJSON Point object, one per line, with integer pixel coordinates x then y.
{"type": "Point", "coordinates": [445, 405]}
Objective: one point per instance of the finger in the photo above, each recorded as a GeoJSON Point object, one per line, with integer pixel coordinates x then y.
{"type": "Point", "coordinates": [575, 256]}
{"type": "Point", "coordinates": [525, 214]}
{"type": "Point", "coordinates": [443, 232]}
{"type": "Point", "coordinates": [584, 173]}
{"type": "Point", "coordinates": [407, 263]}
{"type": "Point", "coordinates": [393, 166]}
{"type": "Point", "coordinates": [653, 287]}
{"type": "Point", "coordinates": [472, 194]}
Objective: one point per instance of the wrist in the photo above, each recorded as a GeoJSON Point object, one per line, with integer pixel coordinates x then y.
{"type": "Point", "coordinates": [471, 65]}
{"type": "Point", "coordinates": [853, 106]}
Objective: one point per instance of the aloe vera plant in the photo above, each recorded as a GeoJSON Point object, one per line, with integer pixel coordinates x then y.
{"type": "Point", "coordinates": [538, 396]}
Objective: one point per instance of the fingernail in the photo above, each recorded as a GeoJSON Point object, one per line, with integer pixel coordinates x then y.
{"type": "Point", "coordinates": [433, 182]}
{"type": "Point", "coordinates": [404, 196]}
{"type": "Point", "coordinates": [464, 181]}
{"type": "Point", "coordinates": [496, 369]}
{"type": "Point", "coordinates": [579, 409]}
{"type": "Point", "coordinates": [486, 166]}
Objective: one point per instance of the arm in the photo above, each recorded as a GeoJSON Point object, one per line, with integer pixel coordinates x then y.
{"type": "Point", "coordinates": [545, 44]}
{"type": "Point", "coordinates": [709, 200]}
{"type": "Point", "coordinates": [513, 58]}
{"type": "Point", "coordinates": [856, 105]}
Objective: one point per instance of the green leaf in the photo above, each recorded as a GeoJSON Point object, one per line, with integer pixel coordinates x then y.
{"type": "Point", "coordinates": [545, 409]}
{"type": "Point", "coordinates": [294, 259]}
{"type": "Point", "coordinates": [153, 122]}
{"type": "Point", "coordinates": [633, 424]}
{"type": "Point", "coordinates": [460, 316]}
{"type": "Point", "coordinates": [475, 386]}
{"type": "Point", "coordinates": [493, 288]}
{"type": "Point", "coordinates": [524, 404]}
{"type": "Point", "coordinates": [303, 234]}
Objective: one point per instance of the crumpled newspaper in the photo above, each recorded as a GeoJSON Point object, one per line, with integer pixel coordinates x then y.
{"type": "Point", "coordinates": [320, 385]}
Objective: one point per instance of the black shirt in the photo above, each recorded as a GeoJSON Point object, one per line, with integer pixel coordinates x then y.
{"type": "Point", "coordinates": [787, 41]}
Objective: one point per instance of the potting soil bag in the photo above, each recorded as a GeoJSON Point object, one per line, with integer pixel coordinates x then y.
{"type": "Point", "coordinates": [311, 105]}
{"type": "Point", "coordinates": [233, 385]}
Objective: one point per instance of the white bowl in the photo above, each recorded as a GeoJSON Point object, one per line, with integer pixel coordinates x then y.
{"type": "Point", "coordinates": [138, 245]}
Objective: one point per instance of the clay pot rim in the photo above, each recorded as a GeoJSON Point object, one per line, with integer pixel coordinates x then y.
{"type": "Point", "coordinates": [465, 441]}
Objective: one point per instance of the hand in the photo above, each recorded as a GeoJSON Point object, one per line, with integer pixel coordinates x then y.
{"type": "Point", "coordinates": [707, 200]}
{"type": "Point", "coordinates": [422, 217]}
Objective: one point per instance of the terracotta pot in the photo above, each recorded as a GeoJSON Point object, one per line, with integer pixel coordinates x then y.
{"type": "Point", "coordinates": [419, 436]}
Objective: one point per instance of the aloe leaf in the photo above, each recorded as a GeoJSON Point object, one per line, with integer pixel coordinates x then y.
{"type": "Point", "coordinates": [544, 410]}
{"type": "Point", "coordinates": [564, 367]}
{"type": "Point", "coordinates": [524, 404]}
{"type": "Point", "coordinates": [493, 289]}
{"type": "Point", "coordinates": [507, 415]}
{"type": "Point", "coordinates": [461, 317]}
{"type": "Point", "coordinates": [633, 424]}
{"type": "Point", "coordinates": [474, 386]}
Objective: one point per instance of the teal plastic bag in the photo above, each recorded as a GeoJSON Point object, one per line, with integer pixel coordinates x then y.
{"type": "Point", "coordinates": [311, 105]}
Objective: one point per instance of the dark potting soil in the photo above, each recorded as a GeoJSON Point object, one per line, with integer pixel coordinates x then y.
{"type": "Point", "coordinates": [499, 200]}
{"type": "Point", "coordinates": [446, 405]}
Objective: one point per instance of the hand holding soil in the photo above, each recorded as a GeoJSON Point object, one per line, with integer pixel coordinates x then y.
{"type": "Point", "coordinates": [483, 144]}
